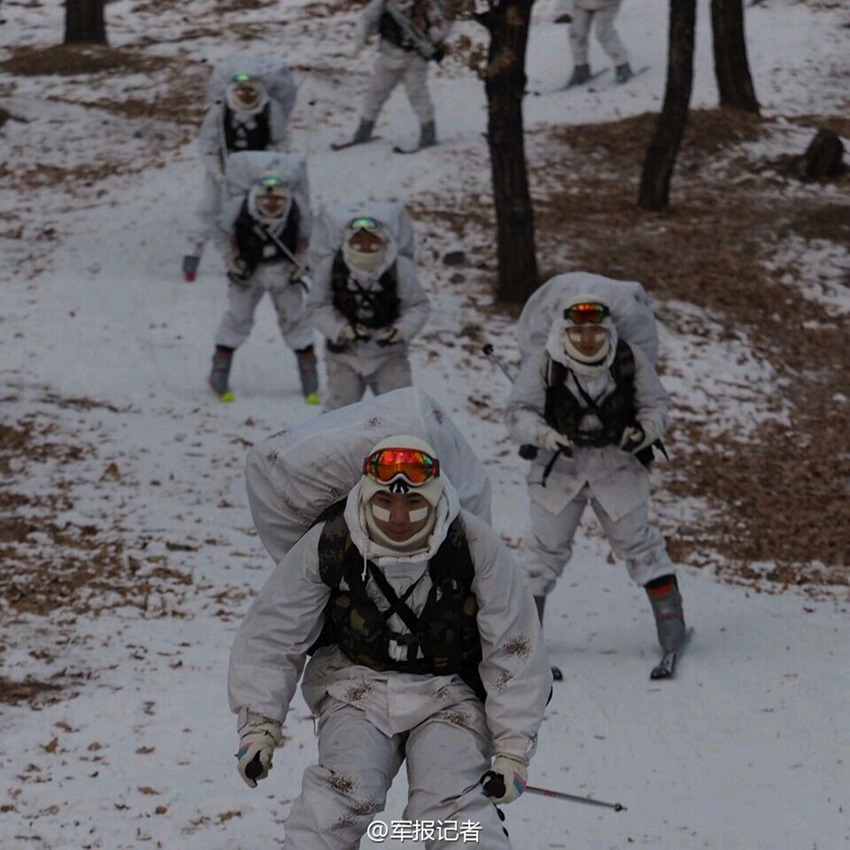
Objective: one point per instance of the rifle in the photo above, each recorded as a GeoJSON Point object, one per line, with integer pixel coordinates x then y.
{"type": "Point", "coordinates": [424, 46]}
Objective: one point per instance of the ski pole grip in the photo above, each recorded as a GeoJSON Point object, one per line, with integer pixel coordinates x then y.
{"type": "Point", "coordinates": [254, 768]}
{"type": "Point", "coordinates": [527, 451]}
{"type": "Point", "coordinates": [487, 349]}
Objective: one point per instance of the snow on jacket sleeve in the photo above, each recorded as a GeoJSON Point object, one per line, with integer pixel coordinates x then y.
{"type": "Point", "coordinates": [526, 403]}
{"type": "Point", "coordinates": [415, 305]}
{"type": "Point", "coordinates": [319, 307]}
{"type": "Point", "coordinates": [270, 647]}
{"type": "Point", "coordinates": [514, 665]}
{"type": "Point", "coordinates": [651, 399]}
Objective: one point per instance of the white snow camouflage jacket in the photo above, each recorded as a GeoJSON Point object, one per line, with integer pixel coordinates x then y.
{"type": "Point", "coordinates": [269, 651]}
{"type": "Point", "coordinates": [617, 479]}
{"type": "Point", "coordinates": [211, 140]}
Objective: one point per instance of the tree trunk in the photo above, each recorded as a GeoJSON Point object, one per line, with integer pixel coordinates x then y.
{"type": "Point", "coordinates": [84, 22]}
{"type": "Point", "coordinates": [664, 148]}
{"type": "Point", "coordinates": [504, 85]}
{"type": "Point", "coordinates": [730, 56]}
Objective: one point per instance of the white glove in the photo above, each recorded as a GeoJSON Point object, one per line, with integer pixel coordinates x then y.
{"type": "Point", "coordinates": [637, 437]}
{"type": "Point", "coordinates": [256, 748]}
{"type": "Point", "coordinates": [388, 336]}
{"type": "Point", "coordinates": [360, 42]}
{"type": "Point", "coordinates": [550, 439]}
{"type": "Point", "coordinates": [237, 271]}
{"type": "Point", "coordinates": [506, 779]}
{"type": "Point", "coordinates": [353, 331]}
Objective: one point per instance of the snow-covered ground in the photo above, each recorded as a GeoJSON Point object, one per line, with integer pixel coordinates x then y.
{"type": "Point", "coordinates": [104, 349]}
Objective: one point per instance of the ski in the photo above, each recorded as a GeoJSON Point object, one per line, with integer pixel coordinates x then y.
{"type": "Point", "coordinates": [341, 146]}
{"type": "Point", "coordinates": [400, 149]}
{"type": "Point", "coordinates": [568, 87]}
{"type": "Point", "coordinates": [642, 70]}
{"type": "Point", "coordinates": [667, 666]}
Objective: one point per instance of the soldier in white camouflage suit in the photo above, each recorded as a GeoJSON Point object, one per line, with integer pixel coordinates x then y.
{"type": "Point", "coordinates": [402, 60]}
{"type": "Point", "coordinates": [594, 406]}
{"type": "Point", "coordinates": [415, 613]}
{"type": "Point", "coordinates": [366, 299]}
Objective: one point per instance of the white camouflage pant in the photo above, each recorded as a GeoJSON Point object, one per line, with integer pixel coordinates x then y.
{"type": "Point", "coordinates": [394, 66]}
{"type": "Point", "coordinates": [347, 383]}
{"type": "Point", "coordinates": [633, 539]}
{"type": "Point", "coordinates": [341, 795]}
{"type": "Point", "coordinates": [603, 20]}
{"type": "Point", "coordinates": [288, 300]}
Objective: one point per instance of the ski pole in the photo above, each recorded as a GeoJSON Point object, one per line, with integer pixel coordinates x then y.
{"type": "Point", "coordinates": [303, 276]}
{"type": "Point", "coordinates": [562, 795]}
{"type": "Point", "coordinates": [488, 352]}
{"type": "Point", "coordinates": [526, 450]}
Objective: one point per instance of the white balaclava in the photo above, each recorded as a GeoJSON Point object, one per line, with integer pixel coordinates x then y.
{"type": "Point", "coordinates": [560, 347]}
{"type": "Point", "coordinates": [365, 261]}
{"type": "Point", "coordinates": [240, 106]}
{"type": "Point", "coordinates": [277, 222]}
{"type": "Point", "coordinates": [431, 491]}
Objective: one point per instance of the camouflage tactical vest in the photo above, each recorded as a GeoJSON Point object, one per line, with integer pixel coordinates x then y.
{"type": "Point", "coordinates": [442, 640]}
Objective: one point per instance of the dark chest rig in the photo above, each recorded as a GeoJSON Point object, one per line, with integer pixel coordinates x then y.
{"type": "Point", "coordinates": [373, 309]}
{"type": "Point", "coordinates": [443, 639]}
{"type": "Point", "coordinates": [254, 136]}
{"type": "Point", "coordinates": [565, 412]}
{"type": "Point", "coordinates": [256, 245]}
{"type": "Point", "coordinates": [391, 30]}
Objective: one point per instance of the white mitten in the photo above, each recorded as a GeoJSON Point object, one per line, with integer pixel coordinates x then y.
{"type": "Point", "coordinates": [388, 336]}
{"type": "Point", "coordinates": [237, 271]}
{"type": "Point", "coordinates": [353, 331]}
{"type": "Point", "coordinates": [637, 437]}
{"type": "Point", "coordinates": [256, 748]}
{"type": "Point", "coordinates": [360, 42]}
{"type": "Point", "coordinates": [506, 779]}
{"type": "Point", "coordinates": [550, 439]}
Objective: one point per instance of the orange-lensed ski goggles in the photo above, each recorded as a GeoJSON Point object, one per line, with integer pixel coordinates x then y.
{"type": "Point", "coordinates": [586, 314]}
{"type": "Point", "coordinates": [416, 466]}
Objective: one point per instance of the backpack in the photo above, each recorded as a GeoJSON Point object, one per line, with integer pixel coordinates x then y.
{"type": "Point", "coordinates": [274, 74]}
{"type": "Point", "coordinates": [294, 475]}
{"type": "Point", "coordinates": [628, 301]}
{"type": "Point", "coordinates": [332, 220]}
{"type": "Point", "coordinates": [242, 171]}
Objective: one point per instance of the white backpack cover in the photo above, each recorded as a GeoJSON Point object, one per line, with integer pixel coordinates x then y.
{"type": "Point", "coordinates": [245, 168]}
{"type": "Point", "coordinates": [332, 220]}
{"type": "Point", "coordinates": [292, 476]}
{"type": "Point", "coordinates": [631, 310]}
{"type": "Point", "coordinates": [274, 74]}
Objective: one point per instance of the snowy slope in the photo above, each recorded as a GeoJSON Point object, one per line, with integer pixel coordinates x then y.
{"type": "Point", "coordinates": [104, 349]}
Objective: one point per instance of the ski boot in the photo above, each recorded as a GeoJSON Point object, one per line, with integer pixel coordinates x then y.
{"type": "Point", "coordinates": [363, 133]}
{"type": "Point", "coordinates": [666, 604]}
{"type": "Point", "coordinates": [581, 74]}
{"type": "Point", "coordinates": [428, 135]}
{"type": "Point", "coordinates": [623, 73]}
{"type": "Point", "coordinates": [190, 267]}
{"type": "Point", "coordinates": [219, 378]}
{"type": "Point", "coordinates": [308, 371]}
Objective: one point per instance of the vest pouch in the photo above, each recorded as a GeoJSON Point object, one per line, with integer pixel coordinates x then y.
{"type": "Point", "coordinates": [360, 633]}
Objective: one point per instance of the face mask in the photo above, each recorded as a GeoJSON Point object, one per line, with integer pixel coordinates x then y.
{"type": "Point", "coordinates": [365, 261]}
